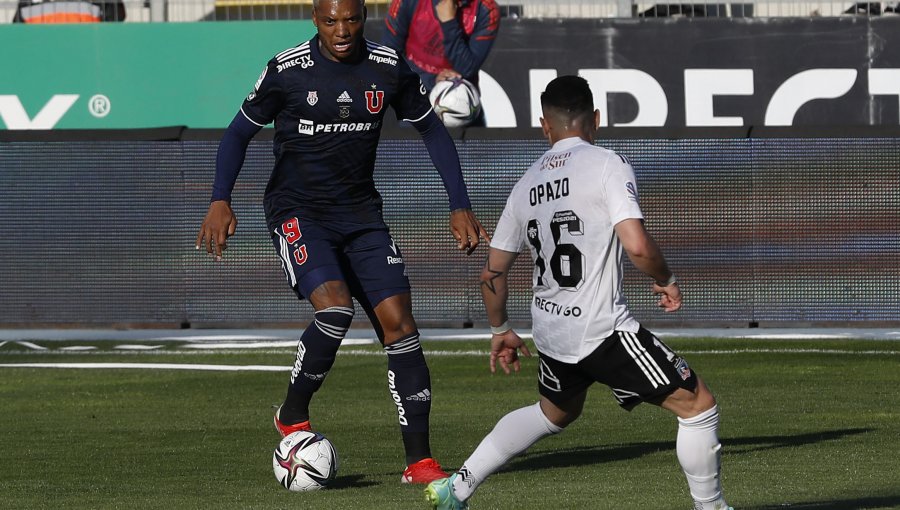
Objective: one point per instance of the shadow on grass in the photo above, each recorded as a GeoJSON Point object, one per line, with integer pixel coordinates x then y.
{"type": "Point", "coordinates": [847, 504]}
{"type": "Point", "coordinates": [588, 455]}
{"type": "Point", "coordinates": [350, 481]}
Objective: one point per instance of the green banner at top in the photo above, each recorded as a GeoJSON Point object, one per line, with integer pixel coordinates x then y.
{"type": "Point", "coordinates": [135, 75]}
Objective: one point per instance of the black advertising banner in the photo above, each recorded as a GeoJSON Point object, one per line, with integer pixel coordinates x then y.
{"type": "Point", "coordinates": [684, 72]}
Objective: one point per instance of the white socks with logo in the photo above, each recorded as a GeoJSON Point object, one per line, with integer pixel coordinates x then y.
{"type": "Point", "coordinates": [512, 435]}
{"type": "Point", "coordinates": [698, 452]}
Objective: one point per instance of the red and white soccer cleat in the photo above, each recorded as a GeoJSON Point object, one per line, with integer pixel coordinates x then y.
{"type": "Point", "coordinates": [425, 471]}
{"type": "Point", "coordinates": [286, 430]}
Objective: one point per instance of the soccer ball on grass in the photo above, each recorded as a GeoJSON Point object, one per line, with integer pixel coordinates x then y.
{"type": "Point", "coordinates": [456, 101]}
{"type": "Point", "coordinates": [304, 461]}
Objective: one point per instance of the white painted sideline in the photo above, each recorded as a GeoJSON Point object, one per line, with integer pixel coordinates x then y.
{"type": "Point", "coordinates": [153, 366]}
{"type": "Point", "coordinates": [267, 335]}
{"type": "Point", "coordinates": [360, 352]}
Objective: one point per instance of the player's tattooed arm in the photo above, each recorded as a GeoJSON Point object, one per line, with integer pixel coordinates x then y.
{"type": "Point", "coordinates": [487, 284]}
{"type": "Point", "coordinates": [505, 343]}
{"type": "Point", "coordinates": [494, 284]}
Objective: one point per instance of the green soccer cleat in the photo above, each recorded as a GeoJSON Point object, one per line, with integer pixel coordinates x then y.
{"type": "Point", "coordinates": [440, 494]}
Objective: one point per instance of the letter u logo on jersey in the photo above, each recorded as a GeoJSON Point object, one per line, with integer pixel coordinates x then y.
{"type": "Point", "coordinates": [374, 100]}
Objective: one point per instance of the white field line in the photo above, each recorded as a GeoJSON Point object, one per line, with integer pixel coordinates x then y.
{"type": "Point", "coordinates": [153, 366]}
{"type": "Point", "coordinates": [362, 352]}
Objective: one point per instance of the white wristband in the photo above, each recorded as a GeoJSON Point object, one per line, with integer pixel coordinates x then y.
{"type": "Point", "coordinates": [499, 330]}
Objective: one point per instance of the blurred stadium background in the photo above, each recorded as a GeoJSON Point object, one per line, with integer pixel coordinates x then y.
{"type": "Point", "coordinates": [765, 136]}
{"type": "Point", "coordinates": [263, 10]}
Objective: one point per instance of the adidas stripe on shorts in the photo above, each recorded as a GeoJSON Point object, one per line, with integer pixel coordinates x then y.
{"type": "Point", "coordinates": [636, 366]}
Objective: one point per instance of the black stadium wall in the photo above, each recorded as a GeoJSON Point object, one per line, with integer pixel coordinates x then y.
{"type": "Point", "coordinates": [769, 226]}
{"type": "Point", "coordinates": [690, 72]}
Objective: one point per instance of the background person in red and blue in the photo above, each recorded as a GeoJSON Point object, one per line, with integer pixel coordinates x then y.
{"type": "Point", "coordinates": [443, 39]}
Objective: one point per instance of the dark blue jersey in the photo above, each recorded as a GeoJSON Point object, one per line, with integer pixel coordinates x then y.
{"type": "Point", "coordinates": [328, 118]}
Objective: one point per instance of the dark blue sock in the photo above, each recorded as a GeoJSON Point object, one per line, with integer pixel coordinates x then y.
{"type": "Point", "coordinates": [409, 383]}
{"type": "Point", "coordinates": [316, 351]}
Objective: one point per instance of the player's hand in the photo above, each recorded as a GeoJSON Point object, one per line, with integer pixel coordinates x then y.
{"type": "Point", "coordinates": [467, 230]}
{"type": "Point", "coordinates": [445, 10]}
{"type": "Point", "coordinates": [669, 296]}
{"type": "Point", "coordinates": [446, 74]}
{"type": "Point", "coordinates": [220, 224]}
{"type": "Point", "coordinates": [505, 348]}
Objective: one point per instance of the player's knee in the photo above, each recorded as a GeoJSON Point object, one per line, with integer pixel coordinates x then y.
{"type": "Point", "coordinates": [561, 416]}
{"type": "Point", "coordinates": [331, 293]}
{"type": "Point", "coordinates": [395, 317]}
{"type": "Point", "coordinates": [686, 403]}
{"type": "Point", "coordinates": [334, 321]}
{"type": "Point", "coordinates": [398, 333]}
{"type": "Point", "coordinates": [703, 399]}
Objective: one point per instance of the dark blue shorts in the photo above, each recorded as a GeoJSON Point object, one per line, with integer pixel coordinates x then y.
{"type": "Point", "coordinates": [364, 256]}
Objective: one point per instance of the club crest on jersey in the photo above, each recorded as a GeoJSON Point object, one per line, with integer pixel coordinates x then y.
{"type": "Point", "coordinates": [312, 97]}
{"type": "Point", "coordinates": [374, 100]}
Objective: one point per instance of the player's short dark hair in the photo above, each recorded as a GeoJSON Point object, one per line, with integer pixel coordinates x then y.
{"type": "Point", "coordinates": [316, 3]}
{"type": "Point", "coordinates": [569, 96]}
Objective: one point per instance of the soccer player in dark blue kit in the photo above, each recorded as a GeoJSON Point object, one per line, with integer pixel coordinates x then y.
{"type": "Point", "coordinates": [327, 98]}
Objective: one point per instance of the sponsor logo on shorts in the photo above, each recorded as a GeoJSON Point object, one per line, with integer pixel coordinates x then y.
{"type": "Point", "coordinates": [394, 260]}
{"type": "Point", "coordinates": [547, 379]}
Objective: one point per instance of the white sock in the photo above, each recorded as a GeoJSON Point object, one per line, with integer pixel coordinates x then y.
{"type": "Point", "coordinates": [512, 435]}
{"type": "Point", "coordinates": [698, 452]}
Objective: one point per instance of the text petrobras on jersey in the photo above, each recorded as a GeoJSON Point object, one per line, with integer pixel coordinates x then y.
{"type": "Point", "coordinates": [308, 127]}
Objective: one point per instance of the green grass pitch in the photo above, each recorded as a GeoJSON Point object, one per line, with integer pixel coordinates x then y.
{"type": "Point", "coordinates": [804, 424]}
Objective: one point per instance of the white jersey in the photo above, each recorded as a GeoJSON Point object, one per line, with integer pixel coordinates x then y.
{"type": "Point", "coordinates": [565, 208]}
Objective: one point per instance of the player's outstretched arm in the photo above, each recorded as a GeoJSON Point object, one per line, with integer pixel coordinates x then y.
{"type": "Point", "coordinates": [219, 224]}
{"type": "Point", "coordinates": [648, 258]}
{"type": "Point", "coordinates": [464, 226]}
{"type": "Point", "coordinates": [467, 230]}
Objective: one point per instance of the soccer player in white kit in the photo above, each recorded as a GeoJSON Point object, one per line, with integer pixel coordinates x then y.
{"type": "Point", "coordinates": [576, 208]}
